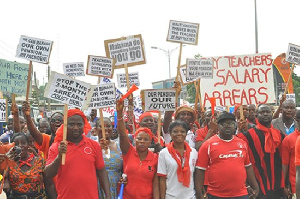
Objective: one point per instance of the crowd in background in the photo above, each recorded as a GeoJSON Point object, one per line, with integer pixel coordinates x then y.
{"type": "Point", "coordinates": [204, 153]}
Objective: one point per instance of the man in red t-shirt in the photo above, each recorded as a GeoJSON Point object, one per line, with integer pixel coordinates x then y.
{"type": "Point", "coordinates": [84, 161]}
{"type": "Point", "coordinates": [288, 157]}
{"type": "Point", "coordinates": [228, 162]}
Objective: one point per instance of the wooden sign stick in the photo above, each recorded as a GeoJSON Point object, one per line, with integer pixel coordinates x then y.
{"type": "Point", "coordinates": [159, 127]}
{"type": "Point", "coordinates": [196, 97]}
{"type": "Point", "coordinates": [241, 112]}
{"type": "Point", "coordinates": [102, 122]}
{"type": "Point", "coordinates": [28, 80]}
{"type": "Point", "coordinates": [288, 82]}
{"type": "Point", "coordinates": [179, 62]}
{"type": "Point", "coordinates": [200, 99]}
{"type": "Point", "coordinates": [63, 161]}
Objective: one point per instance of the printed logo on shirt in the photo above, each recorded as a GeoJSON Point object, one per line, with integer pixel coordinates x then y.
{"type": "Point", "coordinates": [232, 154]}
{"type": "Point", "coordinates": [193, 162]}
{"type": "Point", "coordinates": [88, 150]}
{"type": "Point", "coordinates": [150, 168]}
{"type": "Point", "coordinates": [215, 143]}
{"type": "Point", "coordinates": [240, 145]}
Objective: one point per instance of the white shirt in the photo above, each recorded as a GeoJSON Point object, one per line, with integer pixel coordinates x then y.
{"type": "Point", "coordinates": [168, 166]}
{"type": "Point", "coordinates": [190, 138]}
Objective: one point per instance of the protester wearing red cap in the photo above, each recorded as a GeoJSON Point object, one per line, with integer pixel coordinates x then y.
{"type": "Point", "coordinates": [147, 120]}
{"type": "Point", "coordinates": [176, 165]}
{"type": "Point", "coordinates": [84, 161]}
{"type": "Point", "coordinates": [139, 163]}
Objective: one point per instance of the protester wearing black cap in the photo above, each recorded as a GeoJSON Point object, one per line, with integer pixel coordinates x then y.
{"type": "Point", "coordinates": [227, 158]}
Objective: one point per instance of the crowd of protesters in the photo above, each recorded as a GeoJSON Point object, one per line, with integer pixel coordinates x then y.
{"type": "Point", "coordinates": [250, 153]}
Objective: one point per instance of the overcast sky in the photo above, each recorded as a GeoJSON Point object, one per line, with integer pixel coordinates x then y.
{"type": "Point", "coordinates": [79, 28]}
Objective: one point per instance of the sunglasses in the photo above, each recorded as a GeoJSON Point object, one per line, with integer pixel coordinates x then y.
{"type": "Point", "coordinates": [57, 120]}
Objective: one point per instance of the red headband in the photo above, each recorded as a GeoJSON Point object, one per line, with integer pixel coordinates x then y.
{"type": "Point", "coordinates": [87, 127]}
{"type": "Point", "coordinates": [146, 130]}
{"type": "Point", "coordinates": [145, 114]}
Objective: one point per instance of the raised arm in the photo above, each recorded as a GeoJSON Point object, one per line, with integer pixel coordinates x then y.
{"type": "Point", "coordinates": [124, 142]}
{"type": "Point", "coordinates": [35, 133]}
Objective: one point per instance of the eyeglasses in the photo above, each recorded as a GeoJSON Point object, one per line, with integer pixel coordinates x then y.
{"type": "Point", "coordinates": [56, 120]}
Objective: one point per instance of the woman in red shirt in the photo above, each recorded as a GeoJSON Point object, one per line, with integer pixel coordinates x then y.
{"type": "Point", "coordinates": [139, 164]}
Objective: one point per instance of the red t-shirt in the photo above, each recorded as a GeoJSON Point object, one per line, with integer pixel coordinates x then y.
{"type": "Point", "coordinates": [78, 178]}
{"type": "Point", "coordinates": [226, 161]}
{"type": "Point", "coordinates": [201, 134]}
{"type": "Point", "coordinates": [139, 174]}
{"type": "Point", "coordinates": [288, 156]}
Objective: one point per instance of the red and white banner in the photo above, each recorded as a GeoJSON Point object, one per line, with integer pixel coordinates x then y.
{"type": "Point", "coordinates": [240, 79]}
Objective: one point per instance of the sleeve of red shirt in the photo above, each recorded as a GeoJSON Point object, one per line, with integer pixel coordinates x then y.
{"type": "Point", "coordinates": [199, 135]}
{"type": "Point", "coordinates": [285, 150]}
{"type": "Point", "coordinates": [297, 152]}
{"type": "Point", "coordinates": [99, 163]}
{"type": "Point", "coordinates": [203, 157]}
{"type": "Point", "coordinates": [127, 155]}
{"type": "Point", "coordinates": [53, 152]}
{"type": "Point", "coordinates": [162, 166]}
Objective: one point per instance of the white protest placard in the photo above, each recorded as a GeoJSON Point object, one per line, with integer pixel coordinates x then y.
{"type": "Point", "coordinates": [100, 66]}
{"type": "Point", "coordinates": [240, 79]}
{"type": "Point", "coordinates": [104, 95]}
{"type": "Point", "coordinates": [184, 79]}
{"type": "Point", "coordinates": [159, 99]}
{"type": "Point", "coordinates": [3, 110]}
{"type": "Point", "coordinates": [67, 90]}
{"type": "Point", "coordinates": [291, 96]}
{"type": "Point", "coordinates": [34, 49]}
{"type": "Point", "coordinates": [199, 68]}
{"type": "Point", "coordinates": [133, 79]}
{"type": "Point", "coordinates": [75, 69]}
{"type": "Point", "coordinates": [48, 114]}
{"type": "Point", "coordinates": [293, 54]}
{"type": "Point", "coordinates": [183, 32]}
{"type": "Point", "coordinates": [126, 50]}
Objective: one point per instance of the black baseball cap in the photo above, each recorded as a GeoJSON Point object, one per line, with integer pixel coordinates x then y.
{"type": "Point", "coordinates": [225, 116]}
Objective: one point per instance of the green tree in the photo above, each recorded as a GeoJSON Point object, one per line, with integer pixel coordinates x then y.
{"type": "Point", "coordinates": [296, 84]}
{"type": "Point", "coordinates": [191, 90]}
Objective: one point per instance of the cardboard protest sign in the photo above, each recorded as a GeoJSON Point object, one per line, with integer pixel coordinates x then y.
{"type": "Point", "coordinates": [159, 99]}
{"type": "Point", "coordinates": [104, 95]}
{"type": "Point", "coordinates": [67, 90]}
{"type": "Point", "coordinates": [293, 54]}
{"type": "Point", "coordinates": [100, 66]}
{"type": "Point", "coordinates": [74, 69]}
{"type": "Point", "coordinates": [133, 79]}
{"type": "Point", "coordinates": [184, 79]}
{"type": "Point", "coordinates": [241, 79]}
{"type": "Point", "coordinates": [183, 32]}
{"type": "Point", "coordinates": [34, 49]}
{"type": "Point", "coordinates": [291, 96]}
{"type": "Point", "coordinates": [13, 77]}
{"type": "Point", "coordinates": [3, 110]}
{"type": "Point", "coordinates": [199, 68]}
{"type": "Point", "coordinates": [129, 50]}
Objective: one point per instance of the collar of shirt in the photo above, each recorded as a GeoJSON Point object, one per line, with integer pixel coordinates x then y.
{"type": "Point", "coordinates": [291, 129]}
